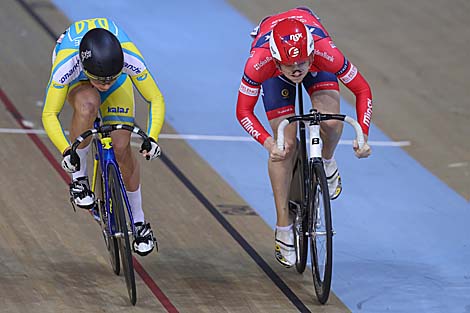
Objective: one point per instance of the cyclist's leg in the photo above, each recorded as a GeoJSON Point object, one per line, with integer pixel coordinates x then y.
{"type": "Point", "coordinates": [130, 168]}
{"type": "Point", "coordinates": [85, 101]}
{"type": "Point", "coordinates": [145, 240]}
{"type": "Point", "coordinates": [279, 103]}
{"type": "Point", "coordinates": [323, 89]}
{"type": "Point", "coordinates": [280, 172]}
{"type": "Point", "coordinates": [118, 107]}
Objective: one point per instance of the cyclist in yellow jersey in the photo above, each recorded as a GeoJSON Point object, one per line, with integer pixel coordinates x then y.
{"type": "Point", "coordinates": [94, 68]}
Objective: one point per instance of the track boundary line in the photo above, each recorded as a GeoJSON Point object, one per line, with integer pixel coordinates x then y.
{"type": "Point", "coordinates": [402, 143]}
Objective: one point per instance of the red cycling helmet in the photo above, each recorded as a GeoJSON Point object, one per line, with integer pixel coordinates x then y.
{"type": "Point", "coordinates": [291, 42]}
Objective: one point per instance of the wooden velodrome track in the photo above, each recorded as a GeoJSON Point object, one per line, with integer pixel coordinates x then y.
{"type": "Point", "coordinates": [213, 256]}
{"type": "Point", "coordinates": [215, 253]}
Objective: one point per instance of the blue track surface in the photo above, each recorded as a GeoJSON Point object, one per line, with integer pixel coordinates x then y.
{"type": "Point", "coordinates": [402, 242]}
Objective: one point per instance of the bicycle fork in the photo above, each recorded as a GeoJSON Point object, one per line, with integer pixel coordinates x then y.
{"type": "Point", "coordinates": [315, 156]}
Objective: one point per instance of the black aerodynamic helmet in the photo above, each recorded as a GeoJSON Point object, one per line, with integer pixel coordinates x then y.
{"type": "Point", "coordinates": [101, 55]}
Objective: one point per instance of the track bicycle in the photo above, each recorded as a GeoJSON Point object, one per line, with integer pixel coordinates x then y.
{"type": "Point", "coordinates": [309, 198]}
{"type": "Point", "coordinates": [112, 210]}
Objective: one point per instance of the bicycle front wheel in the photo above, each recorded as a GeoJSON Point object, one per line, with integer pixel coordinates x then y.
{"type": "Point", "coordinates": [118, 205]}
{"type": "Point", "coordinates": [321, 239]}
{"type": "Point", "coordinates": [98, 190]}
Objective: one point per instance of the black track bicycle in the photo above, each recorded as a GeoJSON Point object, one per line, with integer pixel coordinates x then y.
{"type": "Point", "coordinates": [309, 199]}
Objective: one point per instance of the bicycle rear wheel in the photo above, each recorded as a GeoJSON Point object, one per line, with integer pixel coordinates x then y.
{"type": "Point", "coordinates": [300, 218]}
{"type": "Point", "coordinates": [321, 239]}
{"type": "Point", "coordinates": [118, 205]}
{"type": "Point", "coordinates": [111, 242]}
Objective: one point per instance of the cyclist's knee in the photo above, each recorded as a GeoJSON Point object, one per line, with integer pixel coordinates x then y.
{"type": "Point", "coordinates": [291, 146]}
{"type": "Point", "coordinates": [87, 109]}
{"type": "Point", "coordinates": [121, 149]}
{"type": "Point", "coordinates": [332, 127]}
{"type": "Point", "coordinates": [123, 155]}
{"type": "Point", "coordinates": [289, 132]}
{"type": "Point", "coordinates": [121, 145]}
{"type": "Point", "coordinates": [326, 100]}
{"type": "Point", "coordinates": [81, 91]}
{"type": "Point", "coordinates": [85, 101]}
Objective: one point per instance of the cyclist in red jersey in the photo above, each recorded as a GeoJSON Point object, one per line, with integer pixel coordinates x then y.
{"type": "Point", "coordinates": [289, 48]}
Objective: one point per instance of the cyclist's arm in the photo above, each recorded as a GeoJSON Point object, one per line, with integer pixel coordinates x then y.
{"type": "Point", "coordinates": [54, 101]}
{"type": "Point", "coordinates": [329, 58]}
{"type": "Point", "coordinates": [135, 67]}
{"type": "Point", "coordinates": [353, 79]}
{"type": "Point", "coordinates": [248, 95]}
{"type": "Point", "coordinates": [149, 90]}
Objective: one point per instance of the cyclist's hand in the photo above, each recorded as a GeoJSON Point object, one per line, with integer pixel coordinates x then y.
{"type": "Point", "coordinates": [69, 164]}
{"type": "Point", "coordinates": [364, 152]}
{"type": "Point", "coordinates": [275, 154]}
{"type": "Point", "coordinates": [150, 149]}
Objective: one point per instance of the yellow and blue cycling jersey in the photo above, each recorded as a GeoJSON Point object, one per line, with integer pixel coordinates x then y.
{"type": "Point", "coordinates": [117, 102]}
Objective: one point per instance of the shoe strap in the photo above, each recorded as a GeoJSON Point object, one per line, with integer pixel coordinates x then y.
{"type": "Point", "coordinates": [332, 175]}
{"type": "Point", "coordinates": [286, 245]}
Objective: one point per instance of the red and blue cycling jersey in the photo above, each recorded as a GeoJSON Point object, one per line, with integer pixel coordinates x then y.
{"type": "Point", "coordinates": [261, 66]}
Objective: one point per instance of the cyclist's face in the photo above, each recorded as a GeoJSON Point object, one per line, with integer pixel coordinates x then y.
{"type": "Point", "coordinates": [102, 86]}
{"type": "Point", "coordinates": [295, 72]}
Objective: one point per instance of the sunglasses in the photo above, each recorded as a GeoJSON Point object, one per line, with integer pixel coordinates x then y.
{"type": "Point", "coordinates": [101, 80]}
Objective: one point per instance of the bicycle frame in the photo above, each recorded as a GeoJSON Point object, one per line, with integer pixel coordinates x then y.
{"type": "Point", "coordinates": [306, 159]}
{"type": "Point", "coordinates": [315, 151]}
{"type": "Point", "coordinates": [312, 121]}
{"type": "Point", "coordinates": [105, 158]}
{"type": "Point", "coordinates": [303, 156]}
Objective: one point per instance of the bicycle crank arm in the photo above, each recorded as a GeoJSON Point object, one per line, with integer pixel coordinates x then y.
{"type": "Point", "coordinates": [319, 233]}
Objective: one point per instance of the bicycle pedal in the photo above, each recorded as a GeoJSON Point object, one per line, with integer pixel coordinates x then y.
{"type": "Point", "coordinates": [293, 205]}
{"type": "Point", "coordinates": [94, 212]}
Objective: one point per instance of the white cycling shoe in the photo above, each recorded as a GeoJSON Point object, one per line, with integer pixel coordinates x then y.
{"type": "Point", "coordinates": [81, 194]}
{"type": "Point", "coordinates": [145, 241]}
{"type": "Point", "coordinates": [284, 247]}
{"type": "Point", "coordinates": [333, 178]}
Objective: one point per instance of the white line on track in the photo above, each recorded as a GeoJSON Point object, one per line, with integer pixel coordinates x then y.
{"type": "Point", "coordinates": [211, 138]}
